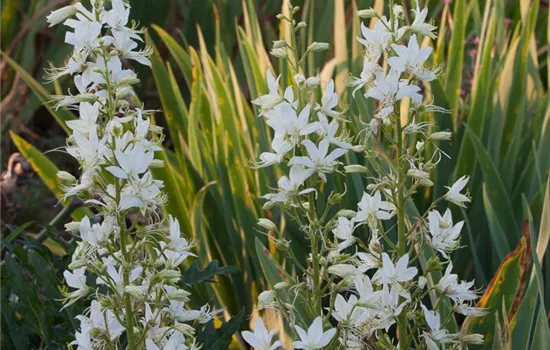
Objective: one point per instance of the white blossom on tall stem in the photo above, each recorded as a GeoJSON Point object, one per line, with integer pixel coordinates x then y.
{"type": "Point", "coordinates": [138, 302]}
{"type": "Point", "coordinates": [360, 290]}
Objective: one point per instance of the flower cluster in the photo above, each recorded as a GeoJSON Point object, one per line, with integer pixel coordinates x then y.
{"type": "Point", "coordinates": [128, 256]}
{"type": "Point", "coordinates": [359, 295]}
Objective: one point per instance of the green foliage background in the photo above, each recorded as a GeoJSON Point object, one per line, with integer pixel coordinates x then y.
{"type": "Point", "coordinates": [210, 61]}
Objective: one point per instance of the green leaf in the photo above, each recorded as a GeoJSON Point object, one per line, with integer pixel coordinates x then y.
{"type": "Point", "coordinates": [194, 274]}
{"type": "Point", "coordinates": [62, 116]}
{"type": "Point", "coordinates": [455, 64]}
{"type": "Point", "coordinates": [274, 274]}
{"type": "Point", "coordinates": [507, 286]}
{"type": "Point", "coordinates": [496, 191]}
{"type": "Point", "coordinates": [220, 339]}
{"type": "Point", "coordinates": [47, 172]}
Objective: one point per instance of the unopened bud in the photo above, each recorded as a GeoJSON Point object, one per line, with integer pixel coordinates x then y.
{"type": "Point", "coordinates": [77, 264]}
{"type": "Point", "coordinates": [267, 224]}
{"type": "Point", "coordinates": [356, 168]}
{"type": "Point", "coordinates": [295, 9]}
{"type": "Point", "coordinates": [358, 148]}
{"type": "Point", "coordinates": [135, 291]}
{"type": "Point", "coordinates": [281, 285]}
{"type": "Point", "coordinates": [280, 16]}
{"type": "Point", "coordinates": [441, 135]}
{"type": "Point", "coordinates": [65, 176]}
{"type": "Point", "coordinates": [179, 295]}
{"type": "Point", "coordinates": [299, 79]}
{"type": "Point", "coordinates": [313, 81]}
{"type": "Point", "coordinates": [86, 98]}
{"type": "Point", "coordinates": [368, 13]}
{"type": "Point", "coordinates": [169, 274]}
{"type": "Point", "coordinates": [301, 25]}
{"type": "Point", "coordinates": [281, 52]}
{"type": "Point", "coordinates": [277, 44]}
{"type": "Point", "coordinates": [129, 80]}
{"type": "Point", "coordinates": [315, 46]}
{"type": "Point", "coordinates": [342, 270]}
{"type": "Point", "coordinates": [346, 213]}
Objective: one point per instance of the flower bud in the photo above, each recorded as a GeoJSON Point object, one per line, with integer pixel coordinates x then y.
{"type": "Point", "coordinates": [267, 224]}
{"type": "Point", "coordinates": [313, 81]}
{"type": "Point", "coordinates": [301, 25]}
{"type": "Point", "coordinates": [422, 282]}
{"type": "Point", "coordinates": [169, 274]}
{"type": "Point", "coordinates": [342, 270]}
{"type": "Point", "coordinates": [295, 9]}
{"type": "Point", "coordinates": [299, 79]}
{"type": "Point", "coordinates": [398, 11]}
{"type": "Point", "coordinates": [77, 264]}
{"type": "Point", "coordinates": [368, 13]}
{"type": "Point", "coordinates": [418, 174]}
{"type": "Point", "coordinates": [129, 80]}
{"type": "Point", "coordinates": [419, 145]}
{"type": "Point", "coordinates": [65, 176]}
{"type": "Point", "coordinates": [280, 52]}
{"type": "Point", "coordinates": [434, 264]}
{"type": "Point", "coordinates": [277, 44]}
{"type": "Point", "coordinates": [356, 168]}
{"type": "Point", "coordinates": [315, 46]}
{"type": "Point", "coordinates": [358, 148]}
{"type": "Point", "coordinates": [179, 295]}
{"type": "Point", "coordinates": [474, 338]}
{"type": "Point", "coordinates": [73, 226]}
{"type": "Point", "coordinates": [86, 98]}
{"type": "Point", "coordinates": [280, 16]}
{"type": "Point", "coordinates": [346, 213]}
{"type": "Point", "coordinates": [281, 285]}
{"type": "Point", "coordinates": [58, 16]}
{"type": "Point", "coordinates": [135, 291]}
{"type": "Point", "coordinates": [441, 135]}
{"type": "Point", "coordinates": [266, 299]}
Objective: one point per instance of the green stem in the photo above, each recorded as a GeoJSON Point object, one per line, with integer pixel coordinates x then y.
{"type": "Point", "coordinates": [127, 298]}
{"type": "Point", "coordinates": [401, 237]}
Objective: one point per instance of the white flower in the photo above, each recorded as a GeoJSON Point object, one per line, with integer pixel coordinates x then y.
{"type": "Point", "coordinates": [261, 339]}
{"type": "Point", "coordinates": [344, 232]}
{"type": "Point", "coordinates": [367, 295]}
{"type": "Point", "coordinates": [273, 97]}
{"type": "Point", "coordinates": [454, 195]}
{"type": "Point", "coordinates": [418, 26]}
{"type": "Point", "coordinates": [59, 15]}
{"type": "Point", "coordinates": [376, 40]}
{"type": "Point", "coordinates": [315, 338]}
{"type": "Point", "coordinates": [329, 101]}
{"type": "Point", "coordinates": [90, 150]}
{"type": "Point", "coordinates": [289, 186]}
{"type": "Point", "coordinates": [133, 162]}
{"type": "Point", "coordinates": [125, 45]}
{"type": "Point", "coordinates": [97, 234]}
{"type": "Point", "coordinates": [142, 193]}
{"type": "Point", "coordinates": [444, 236]}
{"type": "Point", "coordinates": [85, 35]}
{"type": "Point", "coordinates": [467, 310]}
{"type": "Point", "coordinates": [370, 67]}
{"type": "Point", "coordinates": [344, 271]}
{"type": "Point", "coordinates": [266, 300]}
{"type": "Point", "coordinates": [457, 291]}
{"type": "Point", "coordinates": [288, 124]}
{"type": "Point", "coordinates": [411, 59]}
{"type": "Point", "coordinates": [436, 334]}
{"type": "Point", "coordinates": [319, 159]}
{"type": "Point", "coordinates": [390, 307]}
{"type": "Point", "coordinates": [77, 280]}
{"type": "Point", "coordinates": [389, 89]}
{"type": "Point", "coordinates": [83, 340]}
{"type": "Point", "coordinates": [328, 131]}
{"type": "Point", "coordinates": [88, 118]}
{"type": "Point", "coordinates": [373, 208]}
{"type": "Point", "coordinates": [102, 320]}
{"type": "Point", "coordinates": [398, 273]}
